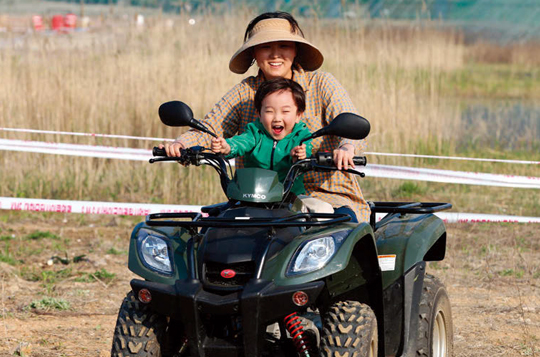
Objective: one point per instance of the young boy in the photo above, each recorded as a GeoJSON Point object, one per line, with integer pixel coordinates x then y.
{"type": "Point", "coordinates": [273, 142]}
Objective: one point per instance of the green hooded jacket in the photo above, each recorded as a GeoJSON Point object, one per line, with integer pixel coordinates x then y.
{"type": "Point", "coordinates": [261, 150]}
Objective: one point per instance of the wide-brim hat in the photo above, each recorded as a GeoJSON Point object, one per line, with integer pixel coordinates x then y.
{"type": "Point", "coordinates": [272, 30]}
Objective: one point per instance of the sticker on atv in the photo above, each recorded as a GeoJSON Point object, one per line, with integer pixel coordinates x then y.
{"type": "Point", "coordinates": [387, 262]}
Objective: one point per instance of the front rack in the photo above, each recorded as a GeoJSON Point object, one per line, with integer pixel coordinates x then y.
{"type": "Point", "coordinates": [197, 220]}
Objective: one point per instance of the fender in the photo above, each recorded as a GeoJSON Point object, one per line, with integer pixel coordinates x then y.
{"type": "Point", "coordinates": [413, 239]}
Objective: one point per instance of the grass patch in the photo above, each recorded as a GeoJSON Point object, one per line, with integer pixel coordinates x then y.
{"type": "Point", "coordinates": [493, 81]}
{"type": "Point", "coordinates": [7, 257]}
{"type": "Point", "coordinates": [511, 272]}
{"type": "Point", "coordinates": [45, 276]}
{"type": "Point", "coordinates": [50, 303]}
{"type": "Point", "coordinates": [101, 275]}
{"type": "Point", "coordinates": [37, 235]}
{"type": "Point", "coordinates": [409, 189]}
{"type": "Point", "coordinates": [115, 251]}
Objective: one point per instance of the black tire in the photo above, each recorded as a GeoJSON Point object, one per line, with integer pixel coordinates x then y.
{"type": "Point", "coordinates": [435, 328]}
{"type": "Point", "coordinates": [349, 330]}
{"type": "Point", "coordinates": [138, 330]}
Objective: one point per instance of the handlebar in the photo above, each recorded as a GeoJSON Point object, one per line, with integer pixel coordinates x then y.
{"type": "Point", "coordinates": [198, 155]}
{"type": "Point", "coordinates": [158, 152]}
{"type": "Point", "coordinates": [327, 159]}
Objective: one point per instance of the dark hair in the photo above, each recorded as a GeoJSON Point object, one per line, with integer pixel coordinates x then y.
{"type": "Point", "coordinates": [274, 15]}
{"type": "Point", "coordinates": [277, 85]}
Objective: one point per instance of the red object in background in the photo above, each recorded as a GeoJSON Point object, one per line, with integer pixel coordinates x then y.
{"type": "Point", "coordinates": [57, 23]}
{"type": "Point", "coordinates": [37, 21]}
{"type": "Point", "coordinates": [70, 21]}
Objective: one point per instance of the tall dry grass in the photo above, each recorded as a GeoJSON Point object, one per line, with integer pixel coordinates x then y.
{"type": "Point", "coordinates": [112, 80]}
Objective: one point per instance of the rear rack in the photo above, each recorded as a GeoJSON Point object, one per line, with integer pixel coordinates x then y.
{"type": "Point", "coordinates": [405, 208]}
{"type": "Point", "coordinates": [197, 220]}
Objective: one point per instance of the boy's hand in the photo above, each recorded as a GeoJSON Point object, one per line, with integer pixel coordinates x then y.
{"type": "Point", "coordinates": [343, 157]}
{"type": "Point", "coordinates": [220, 146]}
{"type": "Point", "coordinates": [298, 152]}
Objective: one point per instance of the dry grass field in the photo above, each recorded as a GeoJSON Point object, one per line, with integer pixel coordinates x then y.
{"type": "Point", "coordinates": [111, 79]}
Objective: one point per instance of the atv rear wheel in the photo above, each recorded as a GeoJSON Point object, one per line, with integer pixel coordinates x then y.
{"type": "Point", "coordinates": [349, 329]}
{"type": "Point", "coordinates": [435, 329]}
{"type": "Point", "coordinates": [138, 330]}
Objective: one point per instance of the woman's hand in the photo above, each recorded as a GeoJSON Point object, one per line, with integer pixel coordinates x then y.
{"type": "Point", "coordinates": [298, 153]}
{"type": "Point", "coordinates": [343, 157]}
{"type": "Point", "coordinates": [172, 149]}
{"type": "Point", "coordinates": [220, 146]}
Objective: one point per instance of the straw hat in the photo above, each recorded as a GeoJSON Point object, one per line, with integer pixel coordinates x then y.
{"type": "Point", "coordinates": [271, 30]}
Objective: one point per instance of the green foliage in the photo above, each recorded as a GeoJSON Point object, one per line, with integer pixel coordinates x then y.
{"type": "Point", "coordinates": [115, 251]}
{"type": "Point", "coordinates": [45, 276]}
{"type": "Point", "coordinates": [101, 275]}
{"type": "Point", "coordinates": [41, 235]}
{"type": "Point", "coordinates": [511, 272]}
{"type": "Point", "coordinates": [7, 256]}
{"type": "Point", "coordinates": [409, 189]}
{"type": "Point", "coordinates": [50, 303]}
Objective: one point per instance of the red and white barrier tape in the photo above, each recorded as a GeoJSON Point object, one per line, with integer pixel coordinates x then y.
{"type": "Point", "coordinates": [107, 152]}
{"type": "Point", "coordinates": [143, 209]}
{"type": "Point", "coordinates": [366, 153]}
{"type": "Point", "coordinates": [461, 177]}
{"type": "Point", "coordinates": [372, 170]}
{"type": "Point", "coordinates": [112, 136]}
{"type": "Point", "coordinates": [90, 207]}
{"type": "Point", "coordinates": [460, 158]}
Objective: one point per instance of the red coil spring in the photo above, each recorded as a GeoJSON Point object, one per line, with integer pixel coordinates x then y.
{"type": "Point", "coordinates": [293, 325]}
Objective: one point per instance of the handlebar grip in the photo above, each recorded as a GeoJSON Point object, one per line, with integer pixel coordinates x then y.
{"type": "Point", "coordinates": [360, 160]}
{"type": "Point", "coordinates": [158, 152]}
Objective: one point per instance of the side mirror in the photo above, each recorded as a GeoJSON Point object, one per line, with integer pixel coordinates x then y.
{"type": "Point", "coordinates": [176, 113]}
{"type": "Point", "coordinates": [346, 125]}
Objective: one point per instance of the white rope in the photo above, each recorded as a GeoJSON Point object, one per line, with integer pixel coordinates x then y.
{"type": "Point", "coordinates": [114, 136]}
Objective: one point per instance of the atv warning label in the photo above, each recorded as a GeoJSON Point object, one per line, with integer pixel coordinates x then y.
{"type": "Point", "coordinates": [387, 262]}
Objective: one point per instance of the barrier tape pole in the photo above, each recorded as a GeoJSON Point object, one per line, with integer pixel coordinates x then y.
{"type": "Point", "coordinates": [143, 209]}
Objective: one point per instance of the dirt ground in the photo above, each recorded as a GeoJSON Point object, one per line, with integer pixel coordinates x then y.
{"type": "Point", "coordinates": [491, 271]}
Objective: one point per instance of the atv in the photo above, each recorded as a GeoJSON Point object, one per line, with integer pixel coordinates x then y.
{"type": "Point", "coordinates": [262, 275]}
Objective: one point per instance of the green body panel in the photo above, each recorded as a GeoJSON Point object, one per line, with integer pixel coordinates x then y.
{"type": "Point", "coordinates": [409, 237]}
{"type": "Point", "coordinates": [276, 267]}
{"type": "Point", "coordinates": [255, 185]}
{"type": "Point", "coordinates": [177, 238]}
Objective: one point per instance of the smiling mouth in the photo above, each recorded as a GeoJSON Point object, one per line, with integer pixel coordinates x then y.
{"type": "Point", "coordinates": [277, 129]}
{"type": "Point", "coordinates": [275, 64]}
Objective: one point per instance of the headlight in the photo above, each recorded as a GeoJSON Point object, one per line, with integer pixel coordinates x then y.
{"type": "Point", "coordinates": [316, 253]}
{"type": "Point", "coordinates": [154, 251]}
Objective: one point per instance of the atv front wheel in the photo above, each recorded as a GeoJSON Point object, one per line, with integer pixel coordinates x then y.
{"type": "Point", "coordinates": [138, 330]}
{"type": "Point", "coordinates": [435, 329]}
{"type": "Point", "coordinates": [349, 329]}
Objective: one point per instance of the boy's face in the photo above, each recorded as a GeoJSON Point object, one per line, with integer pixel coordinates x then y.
{"type": "Point", "coordinates": [279, 114]}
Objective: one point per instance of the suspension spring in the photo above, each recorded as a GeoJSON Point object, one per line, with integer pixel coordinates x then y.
{"type": "Point", "coordinates": [293, 324]}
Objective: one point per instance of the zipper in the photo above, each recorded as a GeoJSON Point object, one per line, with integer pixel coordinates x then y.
{"type": "Point", "coordinates": [272, 155]}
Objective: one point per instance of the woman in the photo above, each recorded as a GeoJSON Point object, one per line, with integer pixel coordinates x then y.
{"type": "Point", "coordinates": [277, 44]}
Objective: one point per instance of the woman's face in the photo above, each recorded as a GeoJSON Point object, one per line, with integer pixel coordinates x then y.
{"type": "Point", "coordinates": [275, 59]}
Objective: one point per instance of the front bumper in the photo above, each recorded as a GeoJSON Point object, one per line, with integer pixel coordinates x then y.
{"type": "Point", "coordinates": [259, 304]}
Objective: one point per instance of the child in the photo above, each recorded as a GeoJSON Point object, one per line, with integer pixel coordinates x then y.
{"type": "Point", "coordinates": [273, 142]}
